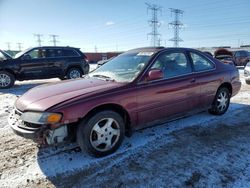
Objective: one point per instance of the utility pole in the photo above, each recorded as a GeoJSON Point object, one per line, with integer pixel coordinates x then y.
{"type": "Point", "coordinates": [8, 45]}
{"type": "Point", "coordinates": [19, 45]}
{"type": "Point", "coordinates": [177, 25]}
{"type": "Point", "coordinates": [96, 49]}
{"type": "Point", "coordinates": [159, 42]}
{"type": "Point", "coordinates": [54, 40]}
{"type": "Point", "coordinates": [154, 23]}
{"type": "Point", "coordinates": [38, 37]}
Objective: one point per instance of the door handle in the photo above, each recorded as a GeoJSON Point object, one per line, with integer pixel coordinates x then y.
{"type": "Point", "coordinates": [192, 80]}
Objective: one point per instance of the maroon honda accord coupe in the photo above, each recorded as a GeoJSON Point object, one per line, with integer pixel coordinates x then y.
{"type": "Point", "coordinates": [137, 89]}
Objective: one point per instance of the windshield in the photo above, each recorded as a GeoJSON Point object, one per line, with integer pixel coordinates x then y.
{"type": "Point", "coordinates": [4, 55]}
{"type": "Point", "coordinates": [123, 68]}
{"type": "Point", "coordinates": [19, 54]}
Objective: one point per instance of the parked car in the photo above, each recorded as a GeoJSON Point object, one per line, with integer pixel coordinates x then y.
{"type": "Point", "coordinates": [137, 89]}
{"type": "Point", "coordinates": [224, 55]}
{"type": "Point", "coordinates": [247, 73]}
{"type": "Point", "coordinates": [241, 57]}
{"type": "Point", "coordinates": [43, 62]}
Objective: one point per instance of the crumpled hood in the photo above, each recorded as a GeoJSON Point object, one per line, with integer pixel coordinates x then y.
{"type": "Point", "coordinates": [45, 96]}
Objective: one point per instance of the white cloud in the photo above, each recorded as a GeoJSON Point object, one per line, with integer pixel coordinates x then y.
{"type": "Point", "coordinates": [109, 23]}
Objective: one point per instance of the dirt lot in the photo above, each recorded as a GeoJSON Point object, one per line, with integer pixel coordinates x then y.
{"type": "Point", "coordinates": [198, 151]}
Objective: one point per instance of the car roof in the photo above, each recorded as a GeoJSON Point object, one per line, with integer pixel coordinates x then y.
{"type": "Point", "coordinates": [65, 47]}
{"type": "Point", "coordinates": [161, 48]}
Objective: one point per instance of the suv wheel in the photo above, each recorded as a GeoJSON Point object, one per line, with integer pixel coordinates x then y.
{"type": "Point", "coordinates": [74, 73]}
{"type": "Point", "coordinates": [7, 80]}
{"type": "Point", "coordinates": [102, 134]}
{"type": "Point", "coordinates": [221, 102]}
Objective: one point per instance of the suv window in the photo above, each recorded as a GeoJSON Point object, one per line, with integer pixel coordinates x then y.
{"type": "Point", "coordinates": [54, 53]}
{"type": "Point", "coordinates": [37, 53]}
{"type": "Point", "coordinates": [70, 53]}
{"type": "Point", "coordinates": [201, 63]}
{"type": "Point", "coordinates": [51, 53]}
{"type": "Point", "coordinates": [172, 64]}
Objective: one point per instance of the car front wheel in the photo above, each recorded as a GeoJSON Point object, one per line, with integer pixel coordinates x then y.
{"type": "Point", "coordinates": [221, 102]}
{"type": "Point", "coordinates": [101, 134]}
{"type": "Point", "coordinates": [7, 80]}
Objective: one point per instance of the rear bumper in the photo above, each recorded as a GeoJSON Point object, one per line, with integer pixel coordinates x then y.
{"type": "Point", "coordinates": [236, 88]}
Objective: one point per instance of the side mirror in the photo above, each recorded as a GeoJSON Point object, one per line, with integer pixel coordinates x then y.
{"type": "Point", "coordinates": [155, 74]}
{"type": "Point", "coordinates": [26, 56]}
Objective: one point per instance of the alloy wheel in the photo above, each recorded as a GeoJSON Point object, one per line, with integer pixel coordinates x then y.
{"type": "Point", "coordinates": [74, 74]}
{"type": "Point", "coordinates": [5, 80]}
{"type": "Point", "coordinates": [105, 134]}
{"type": "Point", "coordinates": [222, 101]}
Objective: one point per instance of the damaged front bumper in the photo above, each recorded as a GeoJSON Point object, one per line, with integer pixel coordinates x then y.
{"type": "Point", "coordinates": [41, 134]}
{"type": "Point", "coordinates": [24, 129]}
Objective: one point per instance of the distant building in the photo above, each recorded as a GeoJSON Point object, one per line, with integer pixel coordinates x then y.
{"type": "Point", "coordinates": [94, 57]}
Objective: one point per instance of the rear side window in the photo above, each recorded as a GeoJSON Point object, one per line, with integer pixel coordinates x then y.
{"type": "Point", "coordinates": [201, 63]}
{"type": "Point", "coordinates": [70, 53]}
{"type": "Point", "coordinates": [52, 53]}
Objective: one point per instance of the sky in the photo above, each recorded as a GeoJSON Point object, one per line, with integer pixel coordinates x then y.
{"type": "Point", "coordinates": [116, 25]}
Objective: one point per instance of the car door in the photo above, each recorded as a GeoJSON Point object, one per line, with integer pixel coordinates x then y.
{"type": "Point", "coordinates": [32, 64]}
{"type": "Point", "coordinates": [55, 62]}
{"type": "Point", "coordinates": [206, 76]}
{"type": "Point", "coordinates": [171, 97]}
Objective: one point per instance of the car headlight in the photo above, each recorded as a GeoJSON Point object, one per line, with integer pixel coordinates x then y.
{"type": "Point", "coordinates": [41, 117]}
{"type": "Point", "coordinates": [248, 64]}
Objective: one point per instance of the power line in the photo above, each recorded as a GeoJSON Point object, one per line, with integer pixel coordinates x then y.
{"type": "Point", "coordinates": [177, 25]}
{"type": "Point", "coordinates": [54, 40]}
{"type": "Point", "coordinates": [38, 37]}
{"type": "Point", "coordinates": [154, 23]}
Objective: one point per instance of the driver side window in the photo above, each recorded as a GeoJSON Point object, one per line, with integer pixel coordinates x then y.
{"type": "Point", "coordinates": [172, 64]}
{"type": "Point", "coordinates": [37, 53]}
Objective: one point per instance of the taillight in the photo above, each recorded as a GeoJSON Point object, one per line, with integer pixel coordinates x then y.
{"type": "Point", "coordinates": [86, 59]}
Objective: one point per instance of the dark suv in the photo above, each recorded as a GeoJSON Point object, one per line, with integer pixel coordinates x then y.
{"type": "Point", "coordinates": [241, 57]}
{"type": "Point", "coordinates": [41, 63]}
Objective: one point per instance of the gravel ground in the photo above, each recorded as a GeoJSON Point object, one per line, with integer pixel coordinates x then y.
{"type": "Point", "coordinates": [197, 151]}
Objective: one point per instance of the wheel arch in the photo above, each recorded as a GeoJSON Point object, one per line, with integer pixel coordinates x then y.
{"type": "Point", "coordinates": [116, 108]}
{"type": "Point", "coordinates": [228, 86]}
{"type": "Point", "coordinates": [74, 66]}
{"type": "Point", "coordinates": [10, 71]}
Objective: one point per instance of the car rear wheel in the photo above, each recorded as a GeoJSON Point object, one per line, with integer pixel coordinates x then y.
{"type": "Point", "coordinates": [7, 80]}
{"type": "Point", "coordinates": [247, 81]}
{"type": "Point", "coordinates": [74, 73]}
{"type": "Point", "coordinates": [102, 134]}
{"type": "Point", "coordinates": [221, 102]}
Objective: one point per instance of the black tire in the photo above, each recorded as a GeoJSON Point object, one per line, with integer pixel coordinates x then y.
{"type": "Point", "coordinates": [248, 82]}
{"type": "Point", "coordinates": [7, 80]}
{"type": "Point", "coordinates": [96, 143]}
{"type": "Point", "coordinates": [221, 102]}
{"type": "Point", "coordinates": [73, 73]}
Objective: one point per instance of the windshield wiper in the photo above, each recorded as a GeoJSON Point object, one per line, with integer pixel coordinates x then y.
{"type": "Point", "coordinates": [104, 77]}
